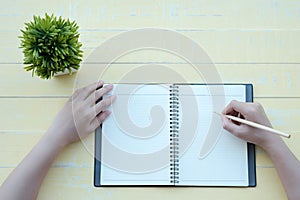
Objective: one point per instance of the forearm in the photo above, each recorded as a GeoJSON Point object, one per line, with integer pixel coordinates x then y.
{"type": "Point", "coordinates": [25, 180]}
{"type": "Point", "coordinates": [287, 166]}
{"type": "Point", "coordinates": [80, 116]}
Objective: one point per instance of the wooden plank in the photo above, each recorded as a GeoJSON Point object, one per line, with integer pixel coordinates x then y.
{"type": "Point", "coordinates": [15, 81]}
{"type": "Point", "coordinates": [31, 114]}
{"type": "Point", "coordinates": [65, 183]}
{"type": "Point", "coordinates": [269, 80]}
{"type": "Point", "coordinates": [187, 14]}
{"type": "Point", "coordinates": [16, 145]}
{"type": "Point", "coordinates": [223, 46]}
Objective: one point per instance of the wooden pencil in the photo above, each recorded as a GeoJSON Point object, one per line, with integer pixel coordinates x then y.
{"type": "Point", "coordinates": [256, 125]}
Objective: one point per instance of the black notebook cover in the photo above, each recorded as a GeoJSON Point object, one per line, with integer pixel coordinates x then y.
{"type": "Point", "coordinates": [251, 147]}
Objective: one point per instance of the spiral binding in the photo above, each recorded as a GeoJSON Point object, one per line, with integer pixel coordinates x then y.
{"type": "Point", "coordinates": [174, 134]}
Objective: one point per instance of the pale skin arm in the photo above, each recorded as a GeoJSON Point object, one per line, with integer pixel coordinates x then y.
{"type": "Point", "coordinates": [286, 164]}
{"type": "Point", "coordinates": [25, 180]}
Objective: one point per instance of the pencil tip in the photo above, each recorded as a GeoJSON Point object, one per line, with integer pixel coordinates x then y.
{"type": "Point", "coordinates": [217, 113]}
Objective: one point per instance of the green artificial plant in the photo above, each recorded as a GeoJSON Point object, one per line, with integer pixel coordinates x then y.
{"type": "Point", "coordinates": [50, 45]}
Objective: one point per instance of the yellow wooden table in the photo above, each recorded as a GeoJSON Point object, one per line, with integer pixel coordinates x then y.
{"type": "Point", "coordinates": [253, 41]}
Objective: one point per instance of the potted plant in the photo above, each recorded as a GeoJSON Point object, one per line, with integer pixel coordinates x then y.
{"type": "Point", "coordinates": [50, 46]}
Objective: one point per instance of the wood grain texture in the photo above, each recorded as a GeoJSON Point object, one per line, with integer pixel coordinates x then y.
{"type": "Point", "coordinates": [223, 46]}
{"type": "Point", "coordinates": [248, 41]}
{"type": "Point", "coordinates": [269, 80]}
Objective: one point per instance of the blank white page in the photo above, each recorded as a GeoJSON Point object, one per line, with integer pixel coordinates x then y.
{"type": "Point", "coordinates": [138, 131]}
{"type": "Point", "coordinates": [226, 164]}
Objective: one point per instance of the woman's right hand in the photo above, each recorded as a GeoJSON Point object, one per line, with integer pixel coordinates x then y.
{"type": "Point", "coordinates": [253, 112]}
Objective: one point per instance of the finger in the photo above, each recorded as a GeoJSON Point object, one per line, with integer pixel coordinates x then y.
{"type": "Point", "coordinates": [241, 107]}
{"type": "Point", "coordinates": [103, 104]}
{"type": "Point", "coordinates": [85, 92]}
{"type": "Point", "coordinates": [96, 96]}
{"type": "Point", "coordinates": [235, 107]}
{"type": "Point", "coordinates": [228, 109]}
{"type": "Point", "coordinates": [230, 126]}
{"type": "Point", "coordinates": [95, 123]}
{"type": "Point", "coordinates": [100, 93]}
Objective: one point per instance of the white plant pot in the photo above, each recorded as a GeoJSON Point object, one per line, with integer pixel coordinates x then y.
{"type": "Point", "coordinates": [66, 72]}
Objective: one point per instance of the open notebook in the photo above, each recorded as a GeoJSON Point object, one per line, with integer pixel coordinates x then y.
{"type": "Point", "coordinates": [168, 134]}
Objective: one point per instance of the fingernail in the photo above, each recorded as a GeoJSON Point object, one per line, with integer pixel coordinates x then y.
{"type": "Point", "coordinates": [110, 86]}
